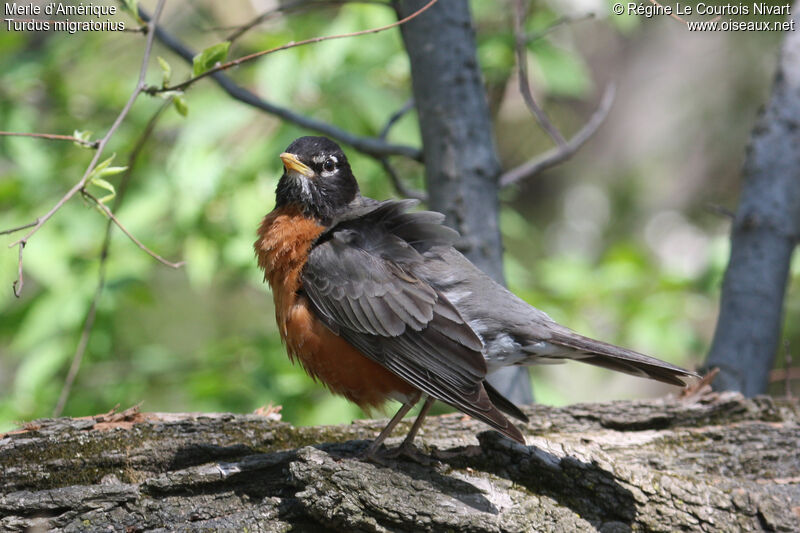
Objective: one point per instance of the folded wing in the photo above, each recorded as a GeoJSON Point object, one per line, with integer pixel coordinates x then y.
{"type": "Point", "coordinates": [361, 280]}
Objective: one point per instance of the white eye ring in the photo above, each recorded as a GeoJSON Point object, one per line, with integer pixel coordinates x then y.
{"type": "Point", "coordinates": [329, 164]}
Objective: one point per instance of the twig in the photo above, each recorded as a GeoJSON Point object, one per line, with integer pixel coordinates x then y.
{"type": "Point", "coordinates": [81, 348]}
{"type": "Point", "coordinates": [562, 153]}
{"type": "Point", "coordinates": [136, 241]}
{"type": "Point", "coordinates": [266, 15]}
{"type": "Point", "coordinates": [20, 281]}
{"type": "Point", "coordinates": [673, 15]}
{"type": "Point", "coordinates": [784, 374]}
{"type": "Point", "coordinates": [566, 19]}
{"type": "Point", "coordinates": [19, 228]}
{"type": "Point", "coordinates": [287, 7]}
{"type": "Point", "coordinates": [700, 387]}
{"type": "Point", "coordinates": [408, 106]}
{"type": "Point", "coordinates": [524, 85]}
{"type": "Point", "coordinates": [399, 186]}
{"type": "Point", "coordinates": [292, 44]}
{"type": "Point", "coordinates": [52, 137]}
{"type": "Point", "coordinates": [720, 210]}
{"type": "Point", "coordinates": [88, 324]}
{"type": "Point", "coordinates": [82, 183]}
{"type": "Point", "coordinates": [368, 145]}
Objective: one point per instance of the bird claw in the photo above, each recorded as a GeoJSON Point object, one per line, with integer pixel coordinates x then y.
{"type": "Point", "coordinates": [386, 457]}
{"type": "Point", "coordinates": [409, 451]}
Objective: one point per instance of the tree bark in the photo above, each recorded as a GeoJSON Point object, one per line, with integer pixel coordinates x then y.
{"type": "Point", "coordinates": [461, 164]}
{"type": "Point", "coordinates": [717, 463]}
{"type": "Point", "coordinates": [764, 234]}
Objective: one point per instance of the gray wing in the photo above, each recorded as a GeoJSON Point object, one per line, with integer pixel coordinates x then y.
{"type": "Point", "coordinates": [361, 280]}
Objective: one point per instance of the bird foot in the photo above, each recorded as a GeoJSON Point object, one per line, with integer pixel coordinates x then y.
{"type": "Point", "coordinates": [409, 451]}
{"type": "Point", "coordinates": [384, 456]}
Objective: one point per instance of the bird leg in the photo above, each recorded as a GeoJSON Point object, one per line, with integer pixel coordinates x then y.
{"type": "Point", "coordinates": [408, 443]}
{"type": "Point", "coordinates": [405, 408]}
{"type": "Point", "coordinates": [406, 449]}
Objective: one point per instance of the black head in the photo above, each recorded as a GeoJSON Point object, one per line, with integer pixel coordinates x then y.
{"type": "Point", "coordinates": [316, 178]}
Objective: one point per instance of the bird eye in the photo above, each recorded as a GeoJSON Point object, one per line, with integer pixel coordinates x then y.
{"type": "Point", "coordinates": [328, 165]}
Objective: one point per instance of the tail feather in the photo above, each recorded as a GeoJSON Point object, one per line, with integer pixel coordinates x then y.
{"type": "Point", "coordinates": [606, 355]}
{"type": "Point", "coordinates": [504, 404]}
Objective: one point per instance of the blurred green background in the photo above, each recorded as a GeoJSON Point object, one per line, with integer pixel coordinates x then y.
{"type": "Point", "coordinates": [619, 243]}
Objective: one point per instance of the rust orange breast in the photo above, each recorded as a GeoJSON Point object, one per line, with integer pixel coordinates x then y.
{"type": "Point", "coordinates": [284, 241]}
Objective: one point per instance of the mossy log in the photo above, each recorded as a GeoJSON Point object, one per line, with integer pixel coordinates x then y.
{"type": "Point", "coordinates": [719, 462]}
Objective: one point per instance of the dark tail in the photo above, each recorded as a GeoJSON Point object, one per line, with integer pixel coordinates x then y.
{"type": "Point", "coordinates": [606, 355]}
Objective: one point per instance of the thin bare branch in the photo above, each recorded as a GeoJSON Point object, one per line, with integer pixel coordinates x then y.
{"type": "Point", "coordinates": [19, 228]}
{"type": "Point", "coordinates": [562, 21]}
{"type": "Point", "coordinates": [263, 17]}
{"type": "Point", "coordinates": [290, 7]}
{"type": "Point", "coordinates": [784, 374]}
{"type": "Point", "coordinates": [673, 15]}
{"type": "Point", "coordinates": [371, 146]}
{"type": "Point", "coordinates": [79, 186]}
{"type": "Point", "coordinates": [292, 44]}
{"type": "Point", "coordinates": [52, 137]}
{"type": "Point", "coordinates": [88, 324]}
{"type": "Point", "coordinates": [408, 106]}
{"type": "Point", "coordinates": [81, 348]}
{"type": "Point", "coordinates": [560, 154]}
{"type": "Point", "coordinates": [136, 241]}
{"type": "Point", "coordinates": [20, 281]}
{"type": "Point", "coordinates": [720, 210]}
{"type": "Point", "coordinates": [524, 86]}
{"type": "Point", "coordinates": [398, 184]}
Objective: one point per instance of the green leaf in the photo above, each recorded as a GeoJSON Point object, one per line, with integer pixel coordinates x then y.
{"type": "Point", "coordinates": [97, 181]}
{"type": "Point", "coordinates": [166, 70]}
{"type": "Point", "coordinates": [101, 166]}
{"type": "Point", "coordinates": [84, 136]}
{"type": "Point", "coordinates": [131, 6]}
{"type": "Point", "coordinates": [180, 105]}
{"type": "Point", "coordinates": [205, 60]}
{"type": "Point", "coordinates": [111, 171]}
{"type": "Point", "coordinates": [103, 169]}
{"type": "Point", "coordinates": [103, 184]}
{"type": "Point", "coordinates": [166, 95]}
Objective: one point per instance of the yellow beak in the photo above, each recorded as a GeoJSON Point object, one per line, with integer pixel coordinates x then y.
{"type": "Point", "coordinates": [293, 164]}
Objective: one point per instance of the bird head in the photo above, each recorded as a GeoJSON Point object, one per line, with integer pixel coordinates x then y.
{"type": "Point", "coordinates": [316, 178]}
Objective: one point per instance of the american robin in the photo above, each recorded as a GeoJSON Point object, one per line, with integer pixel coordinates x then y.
{"type": "Point", "coordinates": [377, 304]}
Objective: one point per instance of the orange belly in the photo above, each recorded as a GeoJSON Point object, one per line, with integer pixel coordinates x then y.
{"type": "Point", "coordinates": [335, 362]}
{"type": "Point", "coordinates": [285, 238]}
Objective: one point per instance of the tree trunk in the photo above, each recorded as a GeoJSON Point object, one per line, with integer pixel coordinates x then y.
{"type": "Point", "coordinates": [461, 164]}
{"type": "Point", "coordinates": [718, 463]}
{"type": "Point", "coordinates": [764, 234]}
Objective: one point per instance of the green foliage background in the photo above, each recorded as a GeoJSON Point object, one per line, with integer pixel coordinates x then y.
{"type": "Point", "coordinates": [203, 338]}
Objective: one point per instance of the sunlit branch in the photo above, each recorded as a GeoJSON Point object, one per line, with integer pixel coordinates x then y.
{"type": "Point", "coordinates": [224, 66]}
{"type": "Point", "coordinates": [371, 146]}
{"type": "Point", "coordinates": [52, 137]}
{"type": "Point", "coordinates": [522, 68]}
{"type": "Point", "coordinates": [561, 153]}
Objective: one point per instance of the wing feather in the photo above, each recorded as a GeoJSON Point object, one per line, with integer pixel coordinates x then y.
{"type": "Point", "coordinates": [362, 280]}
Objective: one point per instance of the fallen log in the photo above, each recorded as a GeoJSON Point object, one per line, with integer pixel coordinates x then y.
{"type": "Point", "coordinates": [719, 462]}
